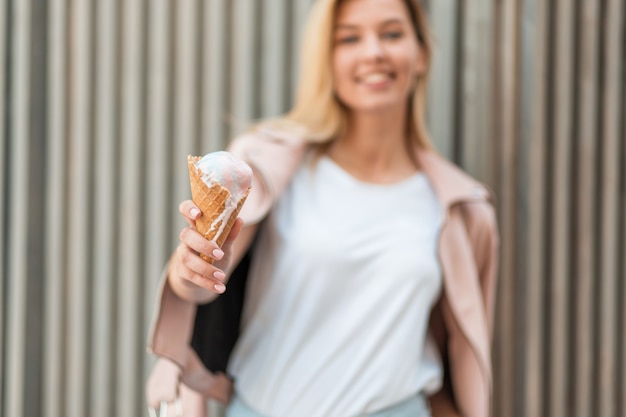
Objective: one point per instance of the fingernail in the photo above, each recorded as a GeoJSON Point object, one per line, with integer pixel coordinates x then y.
{"type": "Point", "coordinates": [220, 288]}
{"type": "Point", "coordinates": [219, 275]}
{"type": "Point", "coordinates": [194, 212]}
{"type": "Point", "coordinates": [218, 254]}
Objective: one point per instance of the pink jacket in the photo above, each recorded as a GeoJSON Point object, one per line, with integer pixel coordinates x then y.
{"type": "Point", "coordinates": [461, 321]}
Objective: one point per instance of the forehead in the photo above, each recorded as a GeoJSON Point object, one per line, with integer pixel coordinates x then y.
{"type": "Point", "coordinates": [364, 12]}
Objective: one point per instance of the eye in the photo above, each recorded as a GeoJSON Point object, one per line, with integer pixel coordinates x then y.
{"type": "Point", "coordinates": [348, 39]}
{"type": "Point", "coordinates": [392, 34]}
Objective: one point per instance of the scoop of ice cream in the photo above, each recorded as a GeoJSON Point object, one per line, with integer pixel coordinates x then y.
{"type": "Point", "coordinates": [223, 168]}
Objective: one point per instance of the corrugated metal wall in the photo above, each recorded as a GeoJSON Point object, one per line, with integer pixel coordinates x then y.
{"type": "Point", "coordinates": [101, 101]}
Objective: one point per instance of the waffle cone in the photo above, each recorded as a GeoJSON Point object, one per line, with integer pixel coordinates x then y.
{"type": "Point", "coordinates": [212, 201]}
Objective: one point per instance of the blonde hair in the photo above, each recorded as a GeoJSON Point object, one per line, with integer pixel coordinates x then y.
{"type": "Point", "coordinates": [317, 110]}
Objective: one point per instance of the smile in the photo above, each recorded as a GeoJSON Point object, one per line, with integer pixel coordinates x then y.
{"type": "Point", "coordinates": [376, 79]}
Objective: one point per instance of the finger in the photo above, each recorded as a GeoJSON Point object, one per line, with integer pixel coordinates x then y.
{"type": "Point", "coordinates": [190, 212]}
{"type": "Point", "coordinates": [194, 239]}
{"type": "Point", "coordinates": [192, 270]}
{"type": "Point", "coordinates": [195, 265]}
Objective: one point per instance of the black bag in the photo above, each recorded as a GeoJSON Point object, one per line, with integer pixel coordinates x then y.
{"type": "Point", "coordinates": [217, 323]}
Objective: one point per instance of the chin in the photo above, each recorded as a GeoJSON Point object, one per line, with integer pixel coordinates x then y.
{"type": "Point", "coordinates": [377, 106]}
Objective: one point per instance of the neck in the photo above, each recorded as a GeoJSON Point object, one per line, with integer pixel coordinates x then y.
{"type": "Point", "coordinates": [374, 146]}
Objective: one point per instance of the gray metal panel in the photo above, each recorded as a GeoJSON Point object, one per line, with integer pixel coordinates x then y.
{"type": "Point", "coordinates": [585, 192]}
{"type": "Point", "coordinates": [55, 325]}
{"type": "Point", "coordinates": [245, 65]}
{"type": "Point", "coordinates": [621, 383]}
{"type": "Point", "coordinates": [216, 74]}
{"type": "Point", "coordinates": [80, 218]}
{"type": "Point", "coordinates": [274, 48]}
{"type": "Point", "coordinates": [559, 352]}
{"type": "Point", "coordinates": [159, 204]}
{"type": "Point", "coordinates": [185, 137]}
{"type": "Point", "coordinates": [532, 183]}
{"type": "Point", "coordinates": [129, 392]}
{"type": "Point", "coordinates": [17, 249]}
{"type": "Point", "coordinates": [105, 239]}
{"type": "Point", "coordinates": [476, 75]}
{"type": "Point", "coordinates": [607, 358]}
{"type": "Point", "coordinates": [299, 12]}
{"type": "Point", "coordinates": [506, 140]}
{"type": "Point", "coordinates": [4, 104]}
{"type": "Point", "coordinates": [442, 89]}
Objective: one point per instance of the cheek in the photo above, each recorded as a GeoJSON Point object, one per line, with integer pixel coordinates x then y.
{"type": "Point", "coordinates": [341, 71]}
{"type": "Point", "coordinates": [407, 69]}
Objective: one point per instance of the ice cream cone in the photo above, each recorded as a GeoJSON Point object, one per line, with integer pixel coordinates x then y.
{"type": "Point", "coordinates": [214, 203]}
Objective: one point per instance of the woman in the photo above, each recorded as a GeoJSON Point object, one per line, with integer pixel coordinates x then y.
{"type": "Point", "coordinates": [371, 281]}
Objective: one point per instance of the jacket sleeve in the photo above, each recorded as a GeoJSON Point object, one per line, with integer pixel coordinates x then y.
{"type": "Point", "coordinates": [482, 228]}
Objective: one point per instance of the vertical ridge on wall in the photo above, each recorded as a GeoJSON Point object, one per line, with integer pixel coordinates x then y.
{"type": "Point", "coordinates": [532, 180]}
{"type": "Point", "coordinates": [158, 200]}
{"type": "Point", "coordinates": [4, 105]}
{"type": "Point", "coordinates": [476, 152]}
{"type": "Point", "coordinates": [442, 76]}
{"type": "Point", "coordinates": [55, 328]}
{"type": "Point", "coordinates": [132, 136]}
{"type": "Point", "coordinates": [186, 114]}
{"type": "Point", "coordinates": [585, 211]}
{"type": "Point", "coordinates": [611, 64]}
{"type": "Point", "coordinates": [504, 129]}
{"type": "Point", "coordinates": [102, 394]}
{"type": "Point", "coordinates": [558, 355]}
{"type": "Point", "coordinates": [36, 165]}
{"type": "Point", "coordinates": [80, 220]}
{"type": "Point", "coordinates": [216, 69]}
{"type": "Point", "coordinates": [299, 12]}
{"type": "Point", "coordinates": [621, 354]}
{"type": "Point", "coordinates": [17, 251]}
{"type": "Point", "coordinates": [274, 45]}
{"type": "Point", "coordinates": [244, 91]}
{"type": "Point", "coordinates": [621, 271]}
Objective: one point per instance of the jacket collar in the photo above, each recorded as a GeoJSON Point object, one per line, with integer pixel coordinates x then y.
{"type": "Point", "coordinates": [451, 184]}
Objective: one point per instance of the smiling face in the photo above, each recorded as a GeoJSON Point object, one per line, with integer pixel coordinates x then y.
{"type": "Point", "coordinates": [376, 55]}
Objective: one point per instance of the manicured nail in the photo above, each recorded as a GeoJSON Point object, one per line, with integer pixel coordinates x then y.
{"type": "Point", "coordinates": [194, 212]}
{"type": "Point", "coordinates": [219, 275]}
{"type": "Point", "coordinates": [218, 254]}
{"type": "Point", "coordinates": [220, 288]}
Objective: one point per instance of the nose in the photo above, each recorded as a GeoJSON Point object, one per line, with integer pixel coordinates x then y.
{"type": "Point", "coordinates": [373, 48]}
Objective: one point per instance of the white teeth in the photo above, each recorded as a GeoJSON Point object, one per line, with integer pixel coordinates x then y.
{"type": "Point", "coordinates": [375, 78]}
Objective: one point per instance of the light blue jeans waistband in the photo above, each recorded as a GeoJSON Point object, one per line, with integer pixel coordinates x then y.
{"type": "Point", "coordinates": [415, 406]}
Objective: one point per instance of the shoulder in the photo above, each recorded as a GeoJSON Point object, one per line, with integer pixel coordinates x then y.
{"type": "Point", "coordinates": [479, 215]}
{"type": "Point", "coordinates": [266, 139]}
{"type": "Point", "coordinates": [273, 154]}
{"type": "Point", "coordinates": [464, 195]}
{"type": "Point", "coordinates": [274, 157]}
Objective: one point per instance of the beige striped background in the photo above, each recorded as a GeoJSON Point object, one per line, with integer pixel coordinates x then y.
{"type": "Point", "coordinates": [101, 101]}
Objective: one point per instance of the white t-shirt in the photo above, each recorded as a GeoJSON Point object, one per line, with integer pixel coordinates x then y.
{"type": "Point", "coordinates": [340, 290]}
